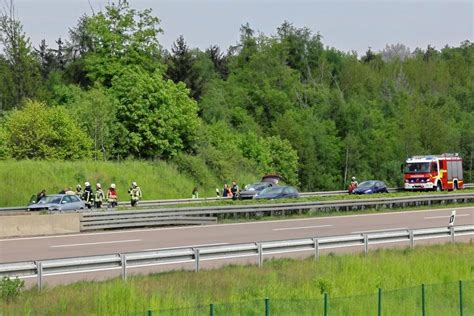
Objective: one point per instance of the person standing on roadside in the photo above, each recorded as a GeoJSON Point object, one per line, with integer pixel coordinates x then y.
{"type": "Point", "coordinates": [99, 196]}
{"type": "Point", "coordinates": [195, 194]}
{"type": "Point", "coordinates": [87, 195]}
{"type": "Point", "coordinates": [78, 190]}
{"type": "Point", "coordinates": [112, 196]}
{"type": "Point", "coordinates": [40, 195]}
{"type": "Point", "coordinates": [234, 189]}
{"type": "Point", "coordinates": [135, 194]}
{"type": "Point", "coordinates": [226, 191]}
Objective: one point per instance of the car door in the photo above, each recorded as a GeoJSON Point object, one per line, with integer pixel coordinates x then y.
{"type": "Point", "coordinates": [76, 202]}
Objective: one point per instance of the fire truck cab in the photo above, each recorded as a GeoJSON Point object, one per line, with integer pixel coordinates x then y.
{"type": "Point", "coordinates": [438, 173]}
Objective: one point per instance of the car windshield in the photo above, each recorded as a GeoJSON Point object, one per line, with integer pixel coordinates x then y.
{"type": "Point", "coordinates": [417, 167]}
{"type": "Point", "coordinates": [257, 186]}
{"type": "Point", "coordinates": [272, 190]}
{"type": "Point", "coordinates": [50, 200]}
{"type": "Point", "coordinates": [367, 184]}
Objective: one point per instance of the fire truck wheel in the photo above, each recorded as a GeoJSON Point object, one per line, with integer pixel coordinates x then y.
{"type": "Point", "coordinates": [439, 187]}
{"type": "Point", "coordinates": [455, 186]}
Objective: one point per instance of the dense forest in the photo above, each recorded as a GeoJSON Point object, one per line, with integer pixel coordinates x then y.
{"type": "Point", "coordinates": [272, 103]}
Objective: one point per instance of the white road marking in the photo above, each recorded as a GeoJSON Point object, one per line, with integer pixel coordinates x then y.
{"type": "Point", "coordinates": [191, 246]}
{"type": "Point", "coordinates": [447, 216]}
{"type": "Point", "coordinates": [224, 225]}
{"type": "Point", "coordinates": [96, 243]}
{"type": "Point", "coordinates": [379, 230]}
{"type": "Point", "coordinates": [304, 227]}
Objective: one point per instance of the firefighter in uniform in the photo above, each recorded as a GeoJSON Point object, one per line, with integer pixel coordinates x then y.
{"type": "Point", "coordinates": [235, 190]}
{"type": "Point", "coordinates": [112, 196]}
{"type": "Point", "coordinates": [87, 195]}
{"type": "Point", "coordinates": [99, 196]}
{"type": "Point", "coordinates": [79, 190]}
{"type": "Point", "coordinates": [353, 185]}
{"type": "Point", "coordinates": [135, 194]}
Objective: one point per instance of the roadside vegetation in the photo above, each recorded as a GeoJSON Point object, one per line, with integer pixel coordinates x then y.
{"type": "Point", "coordinates": [282, 102]}
{"type": "Point", "coordinates": [157, 179]}
{"type": "Point", "coordinates": [351, 280]}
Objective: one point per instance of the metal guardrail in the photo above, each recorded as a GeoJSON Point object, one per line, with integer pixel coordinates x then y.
{"type": "Point", "coordinates": [126, 261]}
{"type": "Point", "coordinates": [129, 220]}
{"type": "Point", "coordinates": [153, 203]}
{"type": "Point", "coordinates": [196, 215]}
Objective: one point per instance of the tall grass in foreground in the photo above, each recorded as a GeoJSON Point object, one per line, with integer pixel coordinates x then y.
{"type": "Point", "coordinates": [235, 288]}
{"type": "Point", "coordinates": [157, 179]}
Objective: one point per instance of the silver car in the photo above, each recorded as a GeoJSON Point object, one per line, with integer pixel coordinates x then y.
{"type": "Point", "coordinates": [58, 202]}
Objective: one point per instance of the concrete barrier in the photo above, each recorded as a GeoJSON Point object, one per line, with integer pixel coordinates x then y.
{"type": "Point", "coordinates": [35, 224]}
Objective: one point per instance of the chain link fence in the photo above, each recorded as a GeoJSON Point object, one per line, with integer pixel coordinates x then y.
{"type": "Point", "coordinates": [453, 298]}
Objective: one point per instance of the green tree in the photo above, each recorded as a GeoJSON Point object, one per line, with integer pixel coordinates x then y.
{"type": "Point", "coordinates": [95, 111]}
{"type": "Point", "coordinates": [20, 77]}
{"type": "Point", "coordinates": [41, 132]}
{"type": "Point", "coordinates": [156, 117]}
{"type": "Point", "coordinates": [119, 37]}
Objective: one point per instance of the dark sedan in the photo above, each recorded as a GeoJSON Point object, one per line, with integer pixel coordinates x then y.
{"type": "Point", "coordinates": [278, 193]}
{"type": "Point", "coordinates": [58, 202]}
{"type": "Point", "coordinates": [370, 187]}
{"type": "Point", "coordinates": [253, 189]}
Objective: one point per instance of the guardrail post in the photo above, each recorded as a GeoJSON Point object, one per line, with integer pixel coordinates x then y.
{"type": "Point", "coordinates": [39, 271]}
{"type": "Point", "coordinates": [412, 239]}
{"type": "Point", "coordinates": [326, 307]}
{"type": "Point", "coordinates": [423, 307]}
{"type": "Point", "coordinates": [379, 309]}
{"type": "Point", "coordinates": [451, 230]}
{"type": "Point", "coordinates": [461, 309]}
{"type": "Point", "coordinates": [260, 255]}
{"type": "Point", "coordinates": [211, 310]}
{"type": "Point", "coordinates": [366, 243]}
{"type": "Point", "coordinates": [123, 264]}
{"type": "Point", "coordinates": [267, 306]}
{"type": "Point", "coordinates": [196, 258]}
{"type": "Point", "coordinates": [316, 248]}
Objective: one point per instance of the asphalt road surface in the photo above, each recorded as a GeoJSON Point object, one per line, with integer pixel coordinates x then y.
{"type": "Point", "coordinates": [48, 247]}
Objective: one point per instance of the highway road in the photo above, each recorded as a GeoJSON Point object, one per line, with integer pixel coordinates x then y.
{"type": "Point", "coordinates": [48, 247]}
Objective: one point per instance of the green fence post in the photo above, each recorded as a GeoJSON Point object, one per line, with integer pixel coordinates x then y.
{"type": "Point", "coordinates": [326, 304]}
{"type": "Point", "coordinates": [267, 306]}
{"type": "Point", "coordinates": [150, 312]}
{"type": "Point", "coordinates": [461, 309]}
{"type": "Point", "coordinates": [423, 308]}
{"type": "Point", "coordinates": [211, 309]}
{"type": "Point", "coordinates": [379, 311]}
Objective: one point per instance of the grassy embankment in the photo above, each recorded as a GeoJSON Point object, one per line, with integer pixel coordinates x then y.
{"type": "Point", "coordinates": [293, 286]}
{"type": "Point", "coordinates": [158, 180]}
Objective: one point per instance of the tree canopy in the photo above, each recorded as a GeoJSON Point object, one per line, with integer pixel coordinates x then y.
{"type": "Point", "coordinates": [280, 103]}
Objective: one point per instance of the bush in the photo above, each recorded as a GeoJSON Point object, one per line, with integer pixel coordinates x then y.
{"type": "Point", "coordinates": [41, 132]}
{"type": "Point", "coordinates": [10, 288]}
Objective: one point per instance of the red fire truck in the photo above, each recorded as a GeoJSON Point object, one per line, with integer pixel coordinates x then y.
{"type": "Point", "coordinates": [443, 172]}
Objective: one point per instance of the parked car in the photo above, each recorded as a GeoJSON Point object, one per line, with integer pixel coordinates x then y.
{"type": "Point", "coordinates": [370, 187]}
{"type": "Point", "coordinates": [277, 192]}
{"type": "Point", "coordinates": [58, 202]}
{"type": "Point", "coordinates": [253, 189]}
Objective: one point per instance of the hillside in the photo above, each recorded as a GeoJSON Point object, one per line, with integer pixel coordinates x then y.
{"type": "Point", "coordinates": [158, 179]}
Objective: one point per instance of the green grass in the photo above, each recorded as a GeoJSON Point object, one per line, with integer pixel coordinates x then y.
{"type": "Point", "coordinates": [158, 179]}
{"type": "Point", "coordinates": [294, 286]}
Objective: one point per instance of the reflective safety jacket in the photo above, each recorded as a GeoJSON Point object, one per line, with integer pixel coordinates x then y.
{"type": "Point", "coordinates": [99, 195]}
{"type": "Point", "coordinates": [112, 195]}
{"type": "Point", "coordinates": [135, 193]}
{"type": "Point", "coordinates": [87, 195]}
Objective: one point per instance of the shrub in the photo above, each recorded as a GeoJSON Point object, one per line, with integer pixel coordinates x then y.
{"type": "Point", "coordinates": [41, 132]}
{"type": "Point", "coordinates": [10, 288]}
